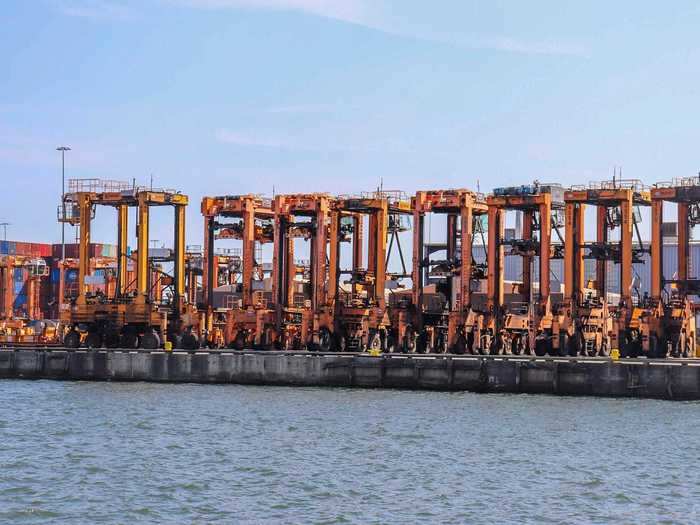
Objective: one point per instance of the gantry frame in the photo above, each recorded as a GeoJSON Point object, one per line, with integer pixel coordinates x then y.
{"type": "Point", "coordinates": [672, 319]}
{"type": "Point", "coordinates": [253, 219]}
{"type": "Point", "coordinates": [536, 329]}
{"type": "Point", "coordinates": [615, 202]}
{"type": "Point", "coordinates": [462, 330]}
{"type": "Point", "coordinates": [361, 319]}
{"type": "Point", "coordinates": [308, 216]}
{"type": "Point", "coordinates": [124, 319]}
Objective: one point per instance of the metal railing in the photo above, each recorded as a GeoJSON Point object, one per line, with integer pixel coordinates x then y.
{"type": "Point", "coordinates": [615, 184]}
{"type": "Point", "coordinates": [679, 182]}
{"type": "Point", "coordinates": [68, 212]}
{"type": "Point", "coordinates": [97, 186]}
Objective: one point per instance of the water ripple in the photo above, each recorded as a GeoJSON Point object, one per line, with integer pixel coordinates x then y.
{"type": "Point", "coordinates": [83, 452]}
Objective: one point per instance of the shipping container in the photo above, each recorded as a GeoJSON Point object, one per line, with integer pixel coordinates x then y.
{"type": "Point", "coordinates": [23, 248]}
{"type": "Point", "coordinates": [20, 300]}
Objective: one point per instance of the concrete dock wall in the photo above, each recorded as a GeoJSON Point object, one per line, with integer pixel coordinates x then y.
{"type": "Point", "coordinates": [666, 379]}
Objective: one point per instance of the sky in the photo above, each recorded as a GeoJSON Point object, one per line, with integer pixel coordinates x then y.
{"type": "Point", "coordinates": [235, 96]}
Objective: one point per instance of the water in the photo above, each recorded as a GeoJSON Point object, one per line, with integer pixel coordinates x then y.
{"type": "Point", "coordinates": [147, 453]}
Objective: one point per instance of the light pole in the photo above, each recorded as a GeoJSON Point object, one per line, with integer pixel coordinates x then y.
{"type": "Point", "coordinates": [63, 150]}
{"type": "Point", "coordinates": [4, 226]}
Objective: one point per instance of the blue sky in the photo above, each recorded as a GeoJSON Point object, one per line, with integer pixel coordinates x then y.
{"type": "Point", "coordinates": [236, 96]}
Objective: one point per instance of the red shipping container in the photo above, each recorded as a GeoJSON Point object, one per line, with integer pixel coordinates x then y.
{"type": "Point", "coordinates": [23, 248]}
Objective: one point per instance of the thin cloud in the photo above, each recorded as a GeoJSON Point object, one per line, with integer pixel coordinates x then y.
{"type": "Point", "coordinates": [300, 108]}
{"type": "Point", "coordinates": [369, 15]}
{"type": "Point", "coordinates": [96, 9]}
{"type": "Point", "coordinates": [239, 138]}
{"type": "Point", "coordinates": [354, 11]}
{"type": "Point", "coordinates": [338, 143]}
{"type": "Point", "coordinates": [364, 13]}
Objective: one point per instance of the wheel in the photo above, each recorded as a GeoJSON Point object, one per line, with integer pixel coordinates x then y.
{"type": "Point", "coordinates": [324, 340]}
{"type": "Point", "coordinates": [653, 346]}
{"type": "Point", "coordinates": [175, 340]}
{"type": "Point", "coordinates": [72, 339]}
{"type": "Point", "coordinates": [578, 344]}
{"type": "Point", "coordinates": [661, 348]}
{"type": "Point", "coordinates": [93, 340]}
{"type": "Point", "coordinates": [540, 347]}
{"type": "Point", "coordinates": [507, 347]}
{"type": "Point", "coordinates": [112, 340]}
{"type": "Point", "coordinates": [565, 347]}
{"type": "Point", "coordinates": [266, 339]}
{"type": "Point", "coordinates": [189, 341]}
{"type": "Point", "coordinates": [686, 348]}
{"type": "Point", "coordinates": [516, 346]}
{"type": "Point", "coordinates": [239, 341]}
{"type": "Point", "coordinates": [150, 340]}
{"type": "Point", "coordinates": [460, 347]}
{"type": "Point", "coordinates": [497, 345]}
{"type": "Point", "coordinates": [409, 341]}
{"type": "Point", "coordinates": [422, 343]}
{"type": "Point", "coordinates": [441, 345]}
{"type": "Point", "coordinates": [129, 340]}
{"type": "Point", "coordinates": [390, 343]}
{"type": "Point", "coordinates": [630, 346]}
{"type": "Point", "coordinates": [470, 343]}
{"type": "Point", "coordinates": [374, 342]}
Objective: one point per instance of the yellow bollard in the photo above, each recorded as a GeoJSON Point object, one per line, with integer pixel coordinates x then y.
{"type": "Point", "coordinates": [614, 354]}
{"type": "Point", "coordinates": [168, 346]}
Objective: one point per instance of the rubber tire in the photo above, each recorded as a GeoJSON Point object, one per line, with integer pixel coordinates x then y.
{"type": "Point", "coordinates": [175, 340]}
{"type": "Point", "coordinates": [389, 344]}
{"type": "Point", "coordinates": [129, 341]}
{"type": "Point", "coordinates": [239, 341]}
{"type": "Point", "coordinates": [93, 340]}
{"type": "Point", "coordinates": [325, 340]}
{"type": "Point", "coordinates": [421, 343]}
{"type": "Point", "coordinates": [374, 342]}
{"type": "Point", "coordinates": [460, 346]}
{"type": "Point", "coordinates": [189, 341]}
{"type": "Point", "coordinates": [564, 349]}
{"type": "Point", "coordinates": [72, 339]}
{"type": "Point", "coordinates": [112, 340]}
{"type": "Point", "coordinates": [150, 341]}
{"type": "Point", "coordinates": [409, 342]}
{"type": "Point", "coordinates": [540, 347]}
